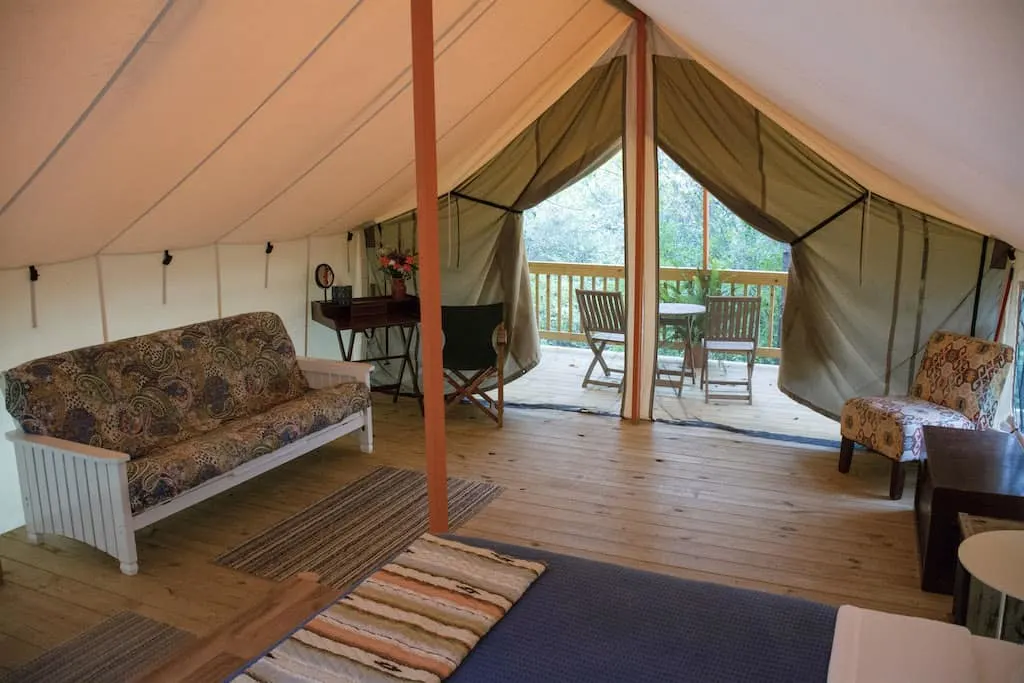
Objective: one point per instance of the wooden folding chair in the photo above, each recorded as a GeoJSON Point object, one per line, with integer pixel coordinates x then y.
{"type": "Point", "coordinates": [731, 325]}
{"type": "Point", "coordinates": [474, 354]}
{"type": "Point", "coordinates": [603, 321]}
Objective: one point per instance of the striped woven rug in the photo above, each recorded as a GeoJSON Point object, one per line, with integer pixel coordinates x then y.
{"type": "Point", "coordinates": [119, 649]}
{"type": "Point", "coordinates": [353, 531]}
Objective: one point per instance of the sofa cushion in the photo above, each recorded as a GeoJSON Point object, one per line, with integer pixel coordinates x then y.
{"type": "Point", "coordinates": [165, 473]}
{"type": "Point", "coordinates": [142, 394]}
{"type": "Point", "coordinates": [892, 425]}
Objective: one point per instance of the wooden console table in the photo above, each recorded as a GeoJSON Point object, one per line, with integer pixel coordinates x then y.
{"type": "Point", "coordinates": [976, 472]}
{"type": "Point", "coordinates": [368, 314]}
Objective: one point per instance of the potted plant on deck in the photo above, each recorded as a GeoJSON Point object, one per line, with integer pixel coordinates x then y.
{"type": "Point", "coordinates": [703, 284]}
{"type": "Point", "coordinates": [399, 266]}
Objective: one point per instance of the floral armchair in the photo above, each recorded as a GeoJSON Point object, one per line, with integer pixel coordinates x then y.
{"type": "Point", "coordinates": [958, 386]}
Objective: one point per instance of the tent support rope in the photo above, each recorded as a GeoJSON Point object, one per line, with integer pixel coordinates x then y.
{"type": "Point", "coordinates": [895, 300]}
{"type": "Point", "coordinates": [305, 292]}
{"type": "Point", "coordinates": [1004, 301]}
{"type": "Point", "coordinates": [865, 223]}
{"type": "Point", "coordinates": [830, 219]}
{"type": "Point", "coordinates": [103, 301]}
{"type": "Point", "coordinates": [485, 202]}
{"type": "Point", "coordinates": [216, 266]}
{"type": "Point", "coordinates": [921, 298]}
{"type": "Point", "coordinates": [977, 286]}
{"type": "Point", "coordinates": [33, 275]}
{"type": "Point", "coordinates": [451, 242]}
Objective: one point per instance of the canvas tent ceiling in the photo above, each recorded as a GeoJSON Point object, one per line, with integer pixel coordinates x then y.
{"type": "Point", "coordinates": [172, 124]}
{"type": "Point", "coordinates": [178, 123]}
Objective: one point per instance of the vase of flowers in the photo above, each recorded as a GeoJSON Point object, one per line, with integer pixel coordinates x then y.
{"type": "Point", "coordinates": [399, 266]}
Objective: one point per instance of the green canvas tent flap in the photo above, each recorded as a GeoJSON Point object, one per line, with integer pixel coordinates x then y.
{"type": "Point", "coordinates": [870, 278]}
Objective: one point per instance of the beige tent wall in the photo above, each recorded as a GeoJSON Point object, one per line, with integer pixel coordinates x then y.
{"type": "Point", "coordinates": [133, 291]}
{"type": "Point", "coordinates": [69, 313]}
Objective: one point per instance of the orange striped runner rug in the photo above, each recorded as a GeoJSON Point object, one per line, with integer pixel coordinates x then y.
{"type": "Point", "coordinates": [415, 619]}
{"type": "Point", "coordinates": [356, 529]}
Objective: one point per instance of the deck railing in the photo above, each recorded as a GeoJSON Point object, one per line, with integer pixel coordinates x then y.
{"type": "Point", "coordinates": [553, 288]}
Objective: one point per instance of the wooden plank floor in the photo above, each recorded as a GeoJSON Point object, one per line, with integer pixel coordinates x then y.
{"type": "Point", "coordinates": [557, 381]}
{"type": "Point", "coordinates": [692, 502]}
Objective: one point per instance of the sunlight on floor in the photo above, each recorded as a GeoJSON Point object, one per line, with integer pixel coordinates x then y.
{"type": "Point", "coordinates": [557, 380]}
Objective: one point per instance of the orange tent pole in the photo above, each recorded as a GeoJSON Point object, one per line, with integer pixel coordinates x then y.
{"type": "Point", "coordinates": [641, 178]}
{"type": "Point", "coordinates": [430, 258]}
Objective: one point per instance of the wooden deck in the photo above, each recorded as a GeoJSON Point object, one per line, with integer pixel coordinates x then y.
{"type": "Point", "coordinates": [692, 502]}
{"type": "Point", "coordinates": [558, 378]}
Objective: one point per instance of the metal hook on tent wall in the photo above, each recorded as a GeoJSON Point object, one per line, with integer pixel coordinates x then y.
{"type": "Point", "coordinates": [865, 223]}
{"type": "Point", "coordinates": [266, 264]}
{"type": "Point", "coordinates": [33, 276]}
{"type": "Point", "coordinates": [348, 251]}
{"type": "Point", "coordinates": [458, 235]}
{"type": "Point", "coordinates": [166, 261]}
{"type": "Point", "coordinates": [451, 242]}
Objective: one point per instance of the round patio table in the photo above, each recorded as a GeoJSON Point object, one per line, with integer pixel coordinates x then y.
{"type": "Point", "coordinates": [672, 313]}
{"type": "Point", "coordinates": [680, 316]}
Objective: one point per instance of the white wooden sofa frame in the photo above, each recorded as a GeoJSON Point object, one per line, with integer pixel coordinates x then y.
{"type": "Point", "coordinates": [81, 491]}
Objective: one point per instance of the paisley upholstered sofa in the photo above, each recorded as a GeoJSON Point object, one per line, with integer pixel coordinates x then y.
{"type": "Point", "coordinates": [117, 436]}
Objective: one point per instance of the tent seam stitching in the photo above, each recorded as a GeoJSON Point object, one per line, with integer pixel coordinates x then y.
{"type": "Point", "coordinates": [405, 72]}
{"type": "Point", "coordinates": [122, 67]}
{"type": "Point", "coordinates": [237, 129]}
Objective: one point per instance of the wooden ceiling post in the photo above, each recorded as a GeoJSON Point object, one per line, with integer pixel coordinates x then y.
{"type": "Point", "coordinates": [425, 125]}
{"type": "Point", "coordinates": [641, 200]}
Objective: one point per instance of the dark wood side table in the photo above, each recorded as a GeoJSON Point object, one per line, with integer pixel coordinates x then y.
{"type": "Point", "coordinates": [976, 472]}
{"type": "Point", "coordinates": [368, 314]}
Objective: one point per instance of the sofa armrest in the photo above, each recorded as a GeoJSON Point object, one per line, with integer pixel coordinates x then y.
{"type": "Point", "coordinates": [321, 372]}
{"type": "Point", "coordinates": [68, 447]}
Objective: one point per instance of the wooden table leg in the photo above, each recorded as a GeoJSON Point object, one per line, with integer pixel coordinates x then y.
{"type": "Point", "coordinates": [346, 355]}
